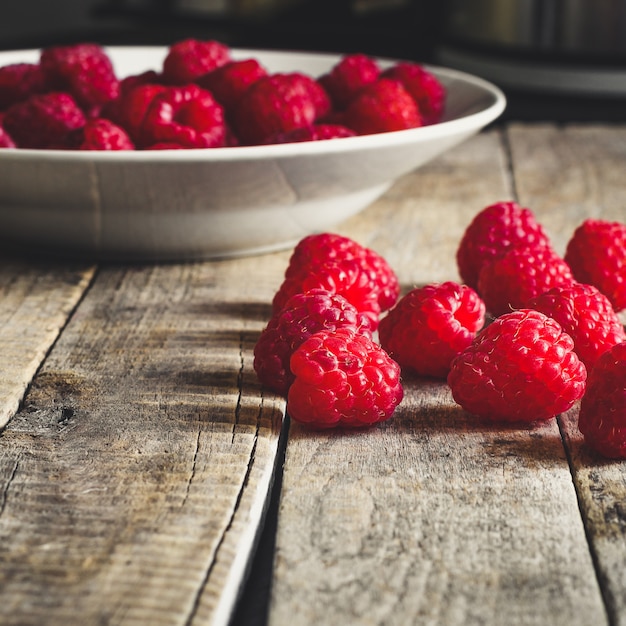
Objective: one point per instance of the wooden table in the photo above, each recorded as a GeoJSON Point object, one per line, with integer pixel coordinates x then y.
{"type": "Point", "coordinates": [139, 448]}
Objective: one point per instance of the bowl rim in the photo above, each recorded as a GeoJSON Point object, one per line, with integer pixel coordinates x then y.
{"type": "Point", "coordinates": [445, 128]}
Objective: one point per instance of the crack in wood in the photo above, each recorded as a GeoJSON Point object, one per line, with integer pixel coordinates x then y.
{"type": "Point", "coordinates": [5, 491]}
{"type": "Point", "coordinates": [192, 473]}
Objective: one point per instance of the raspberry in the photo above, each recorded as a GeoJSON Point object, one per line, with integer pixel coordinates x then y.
{"type": "Point", "coordinates": [597, 255]}
{"type": "Point", "coordinates": [149, 77]}
{"type": "Point", "coordinates": [509, 281]}
{"type": "Point", "coordinates": [273, 104]}
{"type": "Point", "coordinates": [187, 115]}
{"type": "Point", "coordinates": [189, 59]}
{"type": "Point", "coordinates": [44, 121]}
{"type": "Point", "coordinates": [5, 138]}
{"type": "Point", "coordinates": [129, 110]}
{"type": "Point", "coordinates": [382, 107]}
{"type": "Point", "coordinates": [602, 417]}
{"type": "Point", "coordinates": [431, 325]}
{"type": "Point", "coordinates": [317, 132]}
{"type": "Point", "coordinates": [165, 145]}
{"type": "Point", "coordinates": [342, 378]}
{"type": "Point", "coordinates": [18, 82]}
{"type": "Point", "coordinates": [346, 277]}
{"type": "Point", "coordinates": [425, 88]}
{"type": "Point", "coordinates": [101, 134]}
{"type": "Point", "coordinates": [315, 251]}
{"type": "Point", "coordinates": [492, 232]}
{"type": "Point", "coordinates": [520, 368]}
{"type": "Point", "coordinates": [230, 81]}
{"type": "Point", "coordinates": [304, 315]}
{"type": "Point", "coordinates": [586, 315]}
{"type": "Point", "coordinates": [348, 77]}
{"type": "Point", "coordinates": [83, 70]}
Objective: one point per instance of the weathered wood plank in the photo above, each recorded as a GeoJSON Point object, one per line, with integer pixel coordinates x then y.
{"type": "Point", "coordinates": [432, 518]}
{"type": "Point", "coordinates": [134, 478]}
{"type": "Point", "coordinates": [35, 302]}
{"type": "Point", "coordinates": [581, 174]}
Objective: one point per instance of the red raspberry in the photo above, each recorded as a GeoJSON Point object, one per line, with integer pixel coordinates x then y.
{"type": "Point", "coordinates": [314, 251]}
{"type": "Point", "coordinates": [597, 255]}
{"type": "Point", "coordinates": [602, 418]}
{"type": "Point", "coordinates": [189, 59]}
{"type": "Point", "coordinates": [149, 77]}
{"type": "Point", "coordinates": [18, 82]}
{"type": "Point", "coordinates": [586, 315]}
{"type": "Point", "coordinates": [346, 277]}
{"type": "Point", "coordinates": [101, 134]}
{"type": "Point", "coordinates": [83, 70]}
{"type": "Point", "coordinates": [304, 315]}
{"type": "Point", "coordinates": [187, 115]}
{"type": "Point", "coordinates": [343, 378]}
{"type": "Point", "coordinates": [229, 82]}
{"type": "Point", "coordinates": [45, 121]}
{"type": "Point", "coordinates": [5, 138]}
{"type": "Point", "coordinates": [382, 107]}
{"type": "Point", "coordinates": [273, 104]}
{"type": "Point", "coordinates": [424, 87]}
{"type": "Point", "coordinates": [348, 77]}
{"type": "Point", "coordinates": [431, 325]}
{"type": "Point", "coordinates": [492, 232]}
{"type": "Point", "coordinates": [521, 368]}
{"type": "Point", "coordinates": [510, 281]}
{"type": "Point", "coordinates": [129, 110]}
{"type": "Point", "coordinates": [317, 132]}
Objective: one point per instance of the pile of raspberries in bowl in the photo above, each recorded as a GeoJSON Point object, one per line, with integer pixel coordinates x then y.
{"type": "Point", "coordinates": [202, 97]}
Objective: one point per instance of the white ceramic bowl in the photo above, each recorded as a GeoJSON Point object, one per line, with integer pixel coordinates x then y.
{"type": "Point", "coordinates": [194, 204]}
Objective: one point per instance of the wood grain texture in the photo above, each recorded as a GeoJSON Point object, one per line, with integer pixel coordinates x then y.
{"type": "Point", "coordinates": [134, 478]}
{"type": "Point", "coordinates": [566, 175]}
{"type": "Point", "coordinates": [35, 301]}
{"type": "Point", "coordinates": [432, 518]}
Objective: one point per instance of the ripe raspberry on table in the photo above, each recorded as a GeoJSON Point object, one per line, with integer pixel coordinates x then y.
{"type": "Point", "coordinates": [343, 378]}
{"type": "Point", "coordinates": [85, 71]}
{"type": "Point", "coordinates": [188, 116]}
{"type": "Point", "coordinates": [586, 315]}
{"type": "Point", "coordinates": [430, 325]}
{"type": "Point", "coordinates": [274, 104]}
{"type": "Point", "coordinates": [340, 265]}
{"type": "Point", "coordinates": [507, 282]}
{"type": "Point", "coordinates": [494, 230]}
{"type": "Point", "coordinates": [304, 315]}
{"type": "Point", "coordinates": [521, 368]}
{"type": "Point", "coordinates": [597, 255]}
{"type": "Point", "coordinates": [46, 121]}
{"type": "Point", "coordinates": [381, 107]}
{"type": "Point", "coordinates": [602, 417]}
{"type": "Point", "coordinates": [347, 77]}
{"type": "Point", "coordinates": [191, 58]}
{"type": "Point", "coordinates": [423, 86]}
